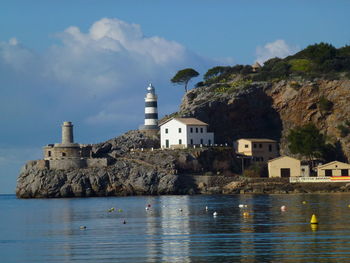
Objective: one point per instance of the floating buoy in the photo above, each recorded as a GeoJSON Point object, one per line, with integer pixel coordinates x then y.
{"type": "Point", "coordinates": [314, 227]}
{"type": "Point", "coordinates": [180, 209]}
{"type": "Point", "coordinates": [82, 227]}
{"type": "Point", "coordinates": [111, 209]}
{"type": "Point", "coordinates": [215, 213]}
{"type": "Point", "coordinates": [349, 206]}
{"type": "Point", "coordinates": [304, 202]}
{"type": "Point", "coordinates": [245, 214]}
{"type": "Point", "coordinates": [283, 208]}
{"type": "Point", "coordinates": [313, 219]}
{"type": "Point", "coordinates": [206, 208]}
{"type": "Point", "coordinates": [149, 205]}
{"type": "Point", "coordinates": [124, 222]}
{"type": "Point", "coordinates": [147, 208]}
{"type": "Point", "coordinates": [120, 210]}
{"type": "Point", "coordinates": [242, 206]}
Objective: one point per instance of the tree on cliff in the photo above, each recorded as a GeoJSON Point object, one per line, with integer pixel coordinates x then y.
{"type": "Point", "coordinates": [307, 141]}
{"type": "Point", "coordinates": [182, 77]}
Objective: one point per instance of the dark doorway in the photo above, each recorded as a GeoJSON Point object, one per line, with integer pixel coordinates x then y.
{"type": "Point", "coordinates": [344, 172]}
{"type": "Point", "coordinates": [328, 172]}
{"type": "Point", "coordinates": [166, 143]}
{"type": "Point", "coordinates": [285, 172]}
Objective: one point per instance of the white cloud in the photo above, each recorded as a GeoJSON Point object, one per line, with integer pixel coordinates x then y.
{"type": "Point", "coordinates": [278, 48]}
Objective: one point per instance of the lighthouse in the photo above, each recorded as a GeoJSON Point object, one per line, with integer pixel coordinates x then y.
{"type": "Point", "coordinates": [151, 112]}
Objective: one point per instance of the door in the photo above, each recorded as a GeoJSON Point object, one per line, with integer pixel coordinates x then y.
{"type": "Point", "coordinates": [285, 172]}
{"type": "Point", "coordinates": [166, 143]}
{"type": "Point", "coordinates": [328, 172]}
{"type": "Point", "coordinates": [344, 172]}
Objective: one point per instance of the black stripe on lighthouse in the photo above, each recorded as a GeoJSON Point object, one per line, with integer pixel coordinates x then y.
{"type": "Point", "coordinates": [151, 115]}
{"type": "Point", "coordinates": [151, 104]}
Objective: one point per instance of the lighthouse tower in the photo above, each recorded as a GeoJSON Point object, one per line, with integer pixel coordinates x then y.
{"type": "Point", "coordinates": [151, 112]}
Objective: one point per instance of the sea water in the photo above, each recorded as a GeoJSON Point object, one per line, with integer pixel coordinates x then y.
{"type": "Point", "coordinates": [176, 229]}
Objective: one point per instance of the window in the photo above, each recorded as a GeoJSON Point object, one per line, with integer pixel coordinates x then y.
{"type": "Point", "coordinates": [63, 154]}
{"type": "Point", "coordinates": [201, 130]}
{"type": "Point", "coordinates": [49, 153]}
{"type": "Point", "coordinates": [166, 130]}
{"type": "Point", "coordinates": [196, 130]}
{"type": "Point", "coordinates": [254, 145]}
{"type": "Point", "coordinates": [191, 141]}
{"type": "Point", "coordinates": [180, 141]}
{"type": "Point", "coordinates": [270, 148]}
{"type": "Point", "coordinates": [179, 130]}
{"type": "Point", "coordinates": [260, 145]}
{"type": "Point", "coordinates": [191, 130]}
{"type": "Point", "coordinates": [246, 146]}
{"type": "Point", "coordinates": [209, 142]}
{"type": "Point", "coordinates": [201, 141]}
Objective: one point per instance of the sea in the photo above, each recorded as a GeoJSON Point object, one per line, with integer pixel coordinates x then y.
{"type": "Point", "coordinates": [247, 228]}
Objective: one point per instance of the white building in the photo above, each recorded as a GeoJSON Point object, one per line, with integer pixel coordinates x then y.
{"type": "Point", "coordinates": [184, 132]}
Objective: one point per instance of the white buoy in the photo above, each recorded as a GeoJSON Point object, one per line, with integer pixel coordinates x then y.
{"type": "Point", "coordinates": [180, 209]}
{"type": "Point", "coordinates": [283, 208]}
{"type": "Point", "coordinates": [82, 227]}
{"type": "Point", "coordinates": [147, 208]}
{"type": "Point", "coordinates": [215, 213]}
{"type": "Point", "coordinates": [206, 208]}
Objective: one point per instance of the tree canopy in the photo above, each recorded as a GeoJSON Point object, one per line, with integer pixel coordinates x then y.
{"type": "Point", "coordinates": [307, 141]}
{"type": "Point", "coordinates": [183, 76]}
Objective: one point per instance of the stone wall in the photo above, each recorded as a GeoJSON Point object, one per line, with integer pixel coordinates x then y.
{"type": "Point", "coordinates": [97, 162]}
{"type": "Point", "coordinates": [68, 163]}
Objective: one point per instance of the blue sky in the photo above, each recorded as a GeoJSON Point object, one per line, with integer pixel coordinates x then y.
{"type": "Point", "coordinates": [89, 61]}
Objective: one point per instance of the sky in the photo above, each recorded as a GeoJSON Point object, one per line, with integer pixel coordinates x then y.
{"type": "Point", "coordinates": [90, 61]}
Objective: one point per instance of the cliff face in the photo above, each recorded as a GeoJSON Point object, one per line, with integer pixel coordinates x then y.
{"type": "Point", "coordinates": [132, 173]}
{"type": "Point", "coordinates": [270, 110]}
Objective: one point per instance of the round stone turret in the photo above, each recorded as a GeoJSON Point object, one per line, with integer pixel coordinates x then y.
{"type": "Point", "coordinates": [67, 133]}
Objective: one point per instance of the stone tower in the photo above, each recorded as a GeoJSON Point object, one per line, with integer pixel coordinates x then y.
{"type": "Point", "coordinates": [67, 133]}
{"type": "Point", "coordinates": [151, 112]}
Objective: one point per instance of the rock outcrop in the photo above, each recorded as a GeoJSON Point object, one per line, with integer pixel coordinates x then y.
{"type": "Point", "coordinates": [132, 173]}
{"type": "Point", "coordinates": [271, 109]}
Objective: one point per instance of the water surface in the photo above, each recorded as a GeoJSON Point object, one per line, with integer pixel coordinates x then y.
{"type": "Point", "coordinates": [176, 229]}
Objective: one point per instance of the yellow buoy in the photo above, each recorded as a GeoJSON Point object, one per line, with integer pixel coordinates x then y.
{"type": "Point", "coordinates": [349, 206]}
{"type": "Point", "coordinates": [304, 202]}
{"type": "Point", "coordinates": [245, 214]}
{"type": "Point", "coordinates": [314, 227]}
{"type": "Point", "coordinates": [313, 219]}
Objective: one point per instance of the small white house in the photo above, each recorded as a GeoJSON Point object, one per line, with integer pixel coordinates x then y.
{"type": "Point", "coordinates": [184, 132]}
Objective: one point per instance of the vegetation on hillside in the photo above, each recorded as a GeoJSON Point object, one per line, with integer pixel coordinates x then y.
{"type": "Point", "coordinates": [315, 61]}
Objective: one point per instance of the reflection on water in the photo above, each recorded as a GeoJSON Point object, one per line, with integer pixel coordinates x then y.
{"type": "Point", "coordinates": [176, 229]}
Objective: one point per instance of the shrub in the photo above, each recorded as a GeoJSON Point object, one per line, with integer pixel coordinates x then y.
{"type": "Point", "coordinates": [324, 104]}
{"type": "Point", "coordinates": [344, 129]}
{"type": "Point", "coordinates": [301, 65]}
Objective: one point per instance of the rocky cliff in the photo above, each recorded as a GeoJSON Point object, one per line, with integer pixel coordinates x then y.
{"type": "Point", "coordinates": [134, 172]}
{"type": "Point", "coordinates": [271, 109]}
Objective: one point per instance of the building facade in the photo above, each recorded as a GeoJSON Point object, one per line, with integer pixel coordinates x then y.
{"type": "Point", "coordinates": [185, 132]}
{"type": "Point", "coordinates": [260, 150]}
{"type": "Point", "coordinates": [69, 155]}
{"type": "Point", "coordinates": [284, 166]}
{"type": "Point", "coordinates": [334, 168]}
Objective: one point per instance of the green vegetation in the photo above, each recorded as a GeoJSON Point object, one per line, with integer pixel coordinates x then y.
{"type": "Point", "coordinates": [301, 65]}
{"type": "Point", "coordinates": [325, 105]}
{"type": "Point", "coordinates": [309, 142]}
{"type": "Point", "coordinates": [344, 129]}
{"type": "Point", "coordinates": [315, 61]}
{"type": "Point", "coordinates": [183, 76]}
